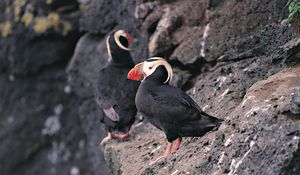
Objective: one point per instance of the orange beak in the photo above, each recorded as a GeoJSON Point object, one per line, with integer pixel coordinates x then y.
{"type": "Point", "coordinates": [136, 73]}
{"type": "Point", "coordinates": [129, 38]}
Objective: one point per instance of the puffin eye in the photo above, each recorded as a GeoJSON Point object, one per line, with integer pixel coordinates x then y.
{"type": "Point", "coordinates": [123, 40]}
{"type": "Point", "coordinates": [150, 68]}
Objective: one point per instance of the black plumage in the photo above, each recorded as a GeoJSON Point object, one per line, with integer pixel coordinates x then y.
{"type": "Point", "coordinates": [115, 94]}
{"type": "Point", "coordinates": [170, 109]}
{"type": "Point", "coordinates": [167, 107]}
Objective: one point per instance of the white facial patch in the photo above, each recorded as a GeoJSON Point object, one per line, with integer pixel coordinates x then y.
{"type": "Point", "coordinates": [117, 35]}
{"type": "Point", "coordinates": [150, 67]}
{"type": "Point", "coordinates": [108, 47]}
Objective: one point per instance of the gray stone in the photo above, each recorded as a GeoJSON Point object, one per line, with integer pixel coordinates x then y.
{"type": "Point", "coordinates": [191, 48]}
{"type": "Point", "coordinates": [169, 18]}
{"type": "Point", "coordinates": [90, 56]}
{"type": "Point", "coordinates": [142, 10]}
{"type": "Point", "coordinates": [99, 17]}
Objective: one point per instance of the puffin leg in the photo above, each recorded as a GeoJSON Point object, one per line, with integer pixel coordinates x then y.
{"type": "Point", "coordinates": [167, 152]}
{"type": "Point", "coordinates": [106, 139]}
{"type": "Point", "coordinates": [177, 145]}
{"type": "Point", "coordinates": [120, 136]}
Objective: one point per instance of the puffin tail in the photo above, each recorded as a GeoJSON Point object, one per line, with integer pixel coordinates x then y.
{"type": "Point", "coordinates": [215, 121]}
{"type": "Point", "coordinates": [218, 122]}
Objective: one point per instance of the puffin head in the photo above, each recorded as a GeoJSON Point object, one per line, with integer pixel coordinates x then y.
{"type": "Point", "coordinates": [118, 42]}
{"type": "Point", "coordinates": [153, 68]}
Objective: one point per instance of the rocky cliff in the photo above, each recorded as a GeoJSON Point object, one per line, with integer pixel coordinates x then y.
{"type": "Point", "coordinates": [236, 58]}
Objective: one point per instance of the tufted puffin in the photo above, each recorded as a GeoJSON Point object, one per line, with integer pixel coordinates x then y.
{"type": "Point", "coordinates": [166, 107]}
{"type": "Point", "coordinates": [115, 94]}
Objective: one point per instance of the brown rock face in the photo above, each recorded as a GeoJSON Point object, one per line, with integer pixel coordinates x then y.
{"type": "Point", "coordinates": [243, 68]}
{"type": "Point", "coordinates": [233, 57]}
{"type": "Point", "coordinates": [172, 17]}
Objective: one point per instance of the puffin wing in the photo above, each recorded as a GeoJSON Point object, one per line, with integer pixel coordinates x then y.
{"type": "Point", "coordinates": [173, 105]}
{"type": "Point", "coordinates": [106, 96]}
{"type": "Point", "coordinates": [115, 95]}
{"type": "Point", "coordinates": [112, 114]}
{"type": "Point", "coordinates": [178, 115]}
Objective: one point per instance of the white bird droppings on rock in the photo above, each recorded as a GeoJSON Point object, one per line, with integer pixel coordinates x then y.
{"type": "Point", "coordinates": [204, 108]}
{"type": "Point", "coordinates": [58, 109]}
{"type": "Point", "coordinates": [229, 140]}
{"type": "Point", "coordinates": [10, 119]}
{"type": "Point", "coordinates": [53, 157]}
{"type": "Point", "coordinates": [205, 34]}
{"type": "Point", "coordinates": [235, 165]}
{"type": "Point", "coordinates": [223, 94]}
{"type": "Point", "coordinates": [175, 172]}
{"type": "Point", "coordinates": [67, 89]}
{"type": "Point", "coordinates": [157, 148]}
{"type": "Point", "coordinates": [66, 156]}
{"type": "Point", "coordinates": [221, 158]}
{"type": "Point", "coordinates": [81, 144]}
{"type": "Point", "coordinates": [194, 90]}
{"type": "Point", "coordinates": [296, 138]}
{"type": "Point", "coordinates": [246, 139]}
{"type": "Point", "coordinates": [74, 171]}
{"type": "Point", "coordinates": [221, 80]}
{"type": "Point", "coordinates": [246, 100]}
{"type": "Point", "coordinates": [252, 144]}
{"type": "Point", "coordinates": [250, 112]}
{"type": "Point", "coordinates": [51, 126]}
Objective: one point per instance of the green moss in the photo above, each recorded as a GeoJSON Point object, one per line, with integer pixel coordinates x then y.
{"type": "Point", "coordinates": [294, 9]}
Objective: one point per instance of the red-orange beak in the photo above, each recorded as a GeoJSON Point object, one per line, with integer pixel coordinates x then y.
{"type": "Point", "coordinates": [136, 73]}
{"type": "Point", "coordinates": [129, 38]}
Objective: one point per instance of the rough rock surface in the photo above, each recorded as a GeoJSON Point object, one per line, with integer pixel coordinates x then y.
{"type": "Point", "coordinates": [252, 83]}
{"type": "Point", "coordinates": [99, 17]}
{"type": "Point", "coordinates": [260, 134]}
{"type": "Point", "coordinates": [233, 57]}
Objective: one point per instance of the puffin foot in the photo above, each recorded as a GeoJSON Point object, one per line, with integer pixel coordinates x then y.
{"type": "Point", "coordinates": [120, 136]}
{"type": "Point", "coordinates": [167, 152]}
{"type": "Point", "coordinates": [177, 145]}
{"type": "Point", "coordinates": [106, 139]}
{"type": "Point", "coordinates": [110, 136]}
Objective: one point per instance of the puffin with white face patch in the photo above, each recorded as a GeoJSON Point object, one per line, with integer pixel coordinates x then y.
{"type": "Point", "coordinates": [115, 94]}
{"type": "Point", "coordinates": [167, 107]}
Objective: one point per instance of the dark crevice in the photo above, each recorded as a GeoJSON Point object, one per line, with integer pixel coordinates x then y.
{"type": "Point", "coordinates": [294, 165]}
{"type": "Point", "coordinates": [178, 64]}
{"type": "Point", "coordinates": [257, 51]}
{"type": "Point", "coordinates": [151, 29]}
{"type": "Point", "coordinates": [195, 69]}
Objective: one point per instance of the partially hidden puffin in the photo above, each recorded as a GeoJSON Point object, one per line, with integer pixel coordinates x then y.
{"type": "Point", "coordinates": [115, 94]}
{"type": "Point", "coordinates": [166, 107]}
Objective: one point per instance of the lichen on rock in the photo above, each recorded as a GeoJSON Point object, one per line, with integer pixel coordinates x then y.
{"type": "Point", "coordinates": [5, 28]}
